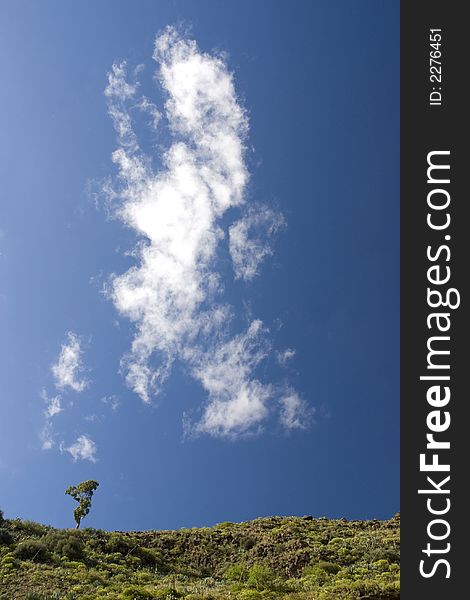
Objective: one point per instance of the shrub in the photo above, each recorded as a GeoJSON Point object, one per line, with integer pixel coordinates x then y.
{"type": "Point", "coordinates": [167, 594]}
{"type": "Point", "coordinates": [66, 544]}
{"type": "Point", "coordinates": [247, 543]}
{"type": "Point", "coordinates": [329, 567]}
{"type": "Point", "coordinates": [134, 592]}
{"type": "Point", "coordinates": [391, 554]}
{"type": "Point", "coordinates": [261, 577]}
{"type": "Point", "coordinates": [148, 556]}
{"type": "Point", "coordinates": [5, 537]}
{"type": "Point", "coordinates": [8, 562]}
{"type": "Point", "coordinates": [34, 550]}
{"type": "Point", "coordinates": [314, 576]}
{"type": "Point", "coordinates": [382, 565]}
{"type": "Point", "coordinates": [29, 528]}
{"type": "Point", "coordinates": [249, 595]}
{"type": "Point", "coordinates": [225, 525]}
{"type": "Point", "coordinates": [115, 558]}
{"type": "Point", "coordinates": [33, 528]}
{"type": "Point", "coordinates": [237, 572]}
{"type": "Point", "coordinates": [118, 543]}
{"type": "Point", "coordinates": [142, 577]}
{"type": "Point", "coordinates": [37, 596]}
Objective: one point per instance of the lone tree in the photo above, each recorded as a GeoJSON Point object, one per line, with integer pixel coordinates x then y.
{"type": "Point", "coordinates": [82, 493]}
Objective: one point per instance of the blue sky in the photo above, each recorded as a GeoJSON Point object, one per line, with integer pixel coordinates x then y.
{"type": "Point", "coordinates": [199, 250]}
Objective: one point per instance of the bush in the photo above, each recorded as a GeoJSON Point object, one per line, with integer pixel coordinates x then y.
{"type": "Point", "coordinates": [314, 576]}
{"type": "Point", "coordinates": [37, 596]}
{"type": "Point", "coordinates": [66, 544]}
{"type": "Point", "coordinates": [5, 537]}
{"type": "Point", "coordinates": [237, 572]}
{"type": "Point", "coordinates": [168, 594]}
{"type": "Point", "coordinates": [261, 577]}
{"type": "Point", "coordinates": [130, 550]}
{"type": "Point", "coordinates": [135, 592]}
{"type": "Point", "coordinates": [329, 567]}
{"type": "Point", "coordinates": [117, 543]}
{"type": "Point", "coordinates": [8, 562]}
{"type": "Point", "coordinates": [32, 550]}
{"type": "Point", "coordinates": [148, 556]}
{"type": "Point", "coordinates": [382, 565]}
{"type": "Point", "coordinates": [247, 543]}
{"type": "Point", "coordinates": [249, 595]}
{"type": "Point", "coordinates": [29, 528]}
{"type": "Point", "coordinates": [391, 554]}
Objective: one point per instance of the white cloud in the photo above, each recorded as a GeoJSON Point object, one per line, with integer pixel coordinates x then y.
{"type": "Point", "coordinates": [177, 210]}
{"type": "Point", "coordinates": [69, 365]}
{"type": "Point", "coordinates": [54, 407]}
{"type": "Point", "coordinates": [54, 404]}
{"type": "Point", "coordinates": [93, 418]}
{"type": "Point", "coordinates": [118, 87]}
{"type": "Point", "coordinates": [149, 107]}
{"type": "Point", "coordinates": [46, 436]}
{"type": "Point", "coordinates": [285, 356]}
{"type": "Point", "coordinates": [118, 92]}
{"type": "Point", "coordinates": [83, 449]}
{"type": "Point", "coordinates": [173, 294]}
{"type": "Point", "coordinates": [251, 240]}
{"type": "Point", "coordinates": [295, 413]}
{"type": "Point", "coordinates": [237, 400]}
{"type": "Point", "coordinates": [112, 401]}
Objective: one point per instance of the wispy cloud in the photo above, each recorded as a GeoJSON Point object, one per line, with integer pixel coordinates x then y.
{"type": "Point", "coordinates": [174, 293]}
{"type": "Point", "coordinates": [83, 449]}
{"type": "Point", "coordinates": [295, 412]}
{"type": "Point", "coordinates": [284, 356]}
{"type": "Point", "coordinates": [152, 111]}
{"type": "Point", "coordinates": [69, 368]}
{"type": "Point", "coordinates": [68, 373]}
{"type": "Point", "coordinates": [54, 404]}
{"type": "Point", "coordinates": [53, 408]}
{"type": "Point", "coordinates": [251, 240]}
{"type": "Point", "coordinates": [112, 401]}
{"type": "Point", "coordinates": [46, 436]}
{"type": "Point", "coordinates": [237, 400]}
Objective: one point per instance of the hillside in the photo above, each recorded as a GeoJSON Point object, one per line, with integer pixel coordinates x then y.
{"type": "Point", "coordinates": [296, 558]}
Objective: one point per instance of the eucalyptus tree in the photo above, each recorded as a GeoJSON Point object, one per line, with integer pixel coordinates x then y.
{"type": "Point", "coordinates": [82, 493]}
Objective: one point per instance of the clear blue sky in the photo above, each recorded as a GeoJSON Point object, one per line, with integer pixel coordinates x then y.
{"type": "Point", "coordinates": [289, 403]}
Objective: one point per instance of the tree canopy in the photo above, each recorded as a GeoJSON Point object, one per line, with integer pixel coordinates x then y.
{"type": "Point", "coordinates": [82, 493]}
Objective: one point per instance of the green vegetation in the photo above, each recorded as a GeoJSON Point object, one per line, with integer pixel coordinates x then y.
{"type": "Point", "coordinates": [82, 493]}
{"type": "Point", "coordinates": [290, 558]}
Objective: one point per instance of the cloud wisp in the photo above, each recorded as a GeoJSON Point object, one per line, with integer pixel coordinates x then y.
{"type": "Point", "coordinates": [46, 436]}
{"type": "Point", "coordinates": [249, 251]}
{"type": "Point", "coordinates": [53, 408]}
{"type": "Point", "coordinates": [69, 368]}
{"type": "Point", "coordinates": [174, 292]}
{"type": "Point", "coordinates": [68, 373]}
{"type": "Point", "coordinates": [284, 356]}
{"type": "Point", "coordinates": [84, 448]}
{"type": "Point", "coordinates": [295, 412]}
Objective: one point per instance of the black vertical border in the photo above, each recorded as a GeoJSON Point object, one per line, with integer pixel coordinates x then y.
{"type": "Point", "coordinates": [425, 128]}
